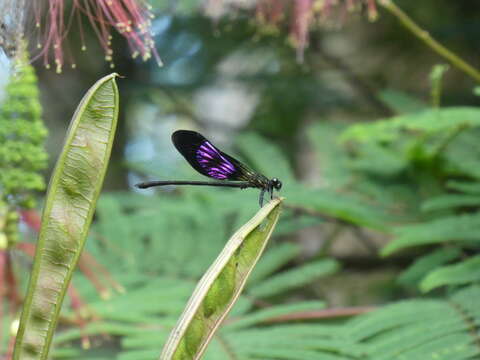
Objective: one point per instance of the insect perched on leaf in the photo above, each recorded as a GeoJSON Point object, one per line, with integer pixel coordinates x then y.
{"type": "Point", "coordinates": [211, 162]}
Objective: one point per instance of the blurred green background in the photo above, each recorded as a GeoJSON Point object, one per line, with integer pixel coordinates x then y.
{"type": "Point", "coordinates": [377, 148]}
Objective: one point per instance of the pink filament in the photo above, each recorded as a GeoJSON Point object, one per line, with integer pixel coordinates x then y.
{"type": "Point", "coordinates": [131, 18]}
{"type": "Point", "coordinates": [303, 13]}
{"type": "Point", "coordinates": [372, 9]}
{"type": "Point", "coordinates": [270, 11]}
{"type": "Point", "coordinates": [300, 26]}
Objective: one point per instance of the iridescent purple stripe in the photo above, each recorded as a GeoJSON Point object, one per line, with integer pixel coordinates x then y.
{"type": "Point", "coordinates": [217, 175]}
{"type": "Point", "coordinates": [206, 143]}
{"type": "Point", "coordinates": [217, 172]}
{"type": "Point", "coordinates": [207, 154]}
{"type": "Point", "coordinates": [204, 154]}
{"type": "Point", "coordinates": [224, 168]}
{"type": "Point", "coordinates": [229, 166]}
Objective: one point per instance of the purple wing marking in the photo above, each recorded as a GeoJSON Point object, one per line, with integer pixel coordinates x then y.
{"type": "Point", "coordinates": [215, 164]}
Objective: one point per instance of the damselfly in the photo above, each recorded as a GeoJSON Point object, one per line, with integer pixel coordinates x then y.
{"type": "Point", "coordinates": [204, 157]}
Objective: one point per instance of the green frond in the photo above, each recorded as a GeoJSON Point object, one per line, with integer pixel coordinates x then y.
{"type": "Point", "coordinates": [467, 187]}
{"type": "Point", "coordinates": [295, 278]}
{"type": "Point", "coordinates": [251, 342]}
{"type": "Point", "coordinates": [432, 121]}
{"type": "Point", "coordinates": [427, 263]}
{"type": "Point", "coordinates": [463, 155]}
{"type": "Point", "coordinates": [466, 302]}
{"type": "Point", "coordinates": [138, 355]}
{"type": "Point", "coordinates": [412, 329]}
{"type": "Point", "coordinates": [401, 102]}
{"type": "Point", "coordinates": [277, 353]}
{"type": "Point", "coordinates": [465, 272]}
{"type": "Point", "coordinates": [394, 317]}
{"type": "Point", "coordinates": [452, 229]}
{"type": "Point", "coordinates": [421, 329]}
{"type": "Point", "coordinates": [272, 260]}
{"type": "Point", "coordinates": [160, 245]}
{"type": "Point", "coordinates": [332, 160]}
{"type": "Point", "coordinates": [340, 206]}
{"type": "Point", "coordinates": [269, 160]}
{"type": "Point", "coordinates": [378, 160]}
{"type": "Point", "coordinates": [451, 202]}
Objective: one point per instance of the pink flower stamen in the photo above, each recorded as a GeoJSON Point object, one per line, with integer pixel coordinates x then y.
{"type": "Point", "coordinates": [131, 18]}
{"type": "Point", "coordinates": [300, 25]}
{"type": "Point", "coordinates": [303, 13]}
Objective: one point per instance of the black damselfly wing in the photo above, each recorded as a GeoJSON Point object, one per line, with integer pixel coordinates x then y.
{"type": "Point", "coordinates": [208, 160]}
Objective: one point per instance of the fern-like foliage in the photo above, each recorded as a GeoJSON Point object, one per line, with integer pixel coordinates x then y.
{"type": "Point", "coordinates": [159, 247]}
{"type": "Point", "coordinates": [433, 155]}
{"type": "Point", "coordinates": [421, 329]}
{"type": "Point", "coordinates": [412, 329]}
{"type": "Point", "coordinates": [401, 176]}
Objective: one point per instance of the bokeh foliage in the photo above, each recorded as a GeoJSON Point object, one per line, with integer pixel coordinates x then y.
{"type": "Point", "coordinates": [22, 154]}
{"type": "Point", "coordinates": [22, 137]}
{"type": "Point", "coordinates": [166, 256]}
{"type": "Point", "coordinates": [412, 179]}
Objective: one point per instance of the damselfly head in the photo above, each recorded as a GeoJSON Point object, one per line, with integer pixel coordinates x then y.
{"type": "Point", "coordinates": [276, 184]}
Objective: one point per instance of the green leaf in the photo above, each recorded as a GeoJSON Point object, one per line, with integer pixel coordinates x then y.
{"type": "Point", "coordinates": [395, 317]}
{"type": "Point", "coordinates": [379, 160]}
{"type": "Point", "coordinates": [339, 205]}
{"type": "Point", "coordinates": [401, 102]}
{"type": "Point", "coordinates": [451, 201]}
{"type": "Point", "coordinates": [427, 263]}
{"type": "Point", "coordinates": [221, 285]}
{"type": "Point", "coordinates": [275, 258]}
{"type": "Point", "coordinates": [295, 278]}
{"type": "Point", "coordinates": [467, 300]}
{"type": "Point", "coordinates": [428, 121]}
{"type": "Point", "coordinates": [460, 228]}
{"type": "Point", "coordinates": [71, 198]}
{"type": "Point", "coordinates": [464, 186]}
{"type": "Point", "coordinates": [420, 329]}
{"type": "Point", "coordinates": [269, 160]}
{"type": "Point", "coordinates": [332, 160]}
{"type": "Point", "coordinates": [465, 272]}
{"type": "Point", "coordinates": [462, 155]}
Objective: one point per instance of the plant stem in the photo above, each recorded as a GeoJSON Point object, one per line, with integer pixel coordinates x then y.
{"type": "Point", "coordinates": [436, 77]}
{"type": "Point", "coordinates": [427, 39]}
{"type": "Point", "coordinates": [333, 313]}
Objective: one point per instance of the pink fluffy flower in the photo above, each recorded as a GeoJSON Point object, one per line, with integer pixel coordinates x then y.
{"type": "Point", "coordinates": [301, 14]}
{"type": "Point", "coordinates": [131, 18]}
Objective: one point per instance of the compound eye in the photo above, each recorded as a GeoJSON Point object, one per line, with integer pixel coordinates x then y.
{"type": "Point", "coordinates": [277, 184]}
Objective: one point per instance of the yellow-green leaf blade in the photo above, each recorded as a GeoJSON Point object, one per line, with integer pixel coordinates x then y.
{"type": "Point", "coordinates": [220, 286]}
{"type": "Point", "coordinates": [71, 198]}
